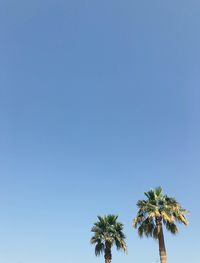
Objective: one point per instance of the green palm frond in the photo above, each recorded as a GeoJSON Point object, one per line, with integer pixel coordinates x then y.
{"type": "Point", "coordinates": [146, 228]}
{"type": "Point", "coordinates": [108, 230]}
{"type": "Point", "coordinates": [158, 206]}
{"type": "Point", "coordinates": [99, 249]}
{"type": "Point", "coordinates": [171, 227]}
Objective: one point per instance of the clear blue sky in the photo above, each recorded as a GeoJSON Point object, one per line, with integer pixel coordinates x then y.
{"type": "Point", "coordinates": [99, 101]}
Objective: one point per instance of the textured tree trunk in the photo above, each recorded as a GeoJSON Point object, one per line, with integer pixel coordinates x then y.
{"type": "Point", "coordinates": [108, 255]}
{"type": "Point", "coordinates": [162, 249]}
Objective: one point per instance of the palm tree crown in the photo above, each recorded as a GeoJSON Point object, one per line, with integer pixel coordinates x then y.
{"type": "Point", "coordinates": [108, 232]}
{"type": "Point", "coordinates": [158, 208]}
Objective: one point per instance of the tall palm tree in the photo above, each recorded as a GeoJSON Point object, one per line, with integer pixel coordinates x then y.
{"type": "Point", "coordinates": [108, 232]}
{"type": "Point", "coordinates": [154, 212]}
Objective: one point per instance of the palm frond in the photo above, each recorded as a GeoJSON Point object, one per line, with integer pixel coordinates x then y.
{"type": "Point", "coordinates": [107, 230]}
{"type": "Point", "coordinates": [158, 207]}
{"type": "Point", "coordinates": [99, 249]}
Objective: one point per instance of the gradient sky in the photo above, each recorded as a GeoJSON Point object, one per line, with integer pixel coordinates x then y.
{"type": "Point", "coordinates": [99, 102]}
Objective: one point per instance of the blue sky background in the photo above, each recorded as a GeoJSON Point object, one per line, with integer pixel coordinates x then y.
{"type": "Point", "coordinates": [99, 102]}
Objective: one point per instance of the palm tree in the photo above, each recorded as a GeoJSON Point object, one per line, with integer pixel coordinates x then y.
{"type": "Point", "coordinates": [154, 212]}
{"type": "Point", "coordinates": [108, 232]}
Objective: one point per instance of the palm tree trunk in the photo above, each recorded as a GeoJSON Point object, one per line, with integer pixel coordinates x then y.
{"type": "Point", "coordinates": [162, 249]}
{"type": "Point", "coordinates": [108, 255]}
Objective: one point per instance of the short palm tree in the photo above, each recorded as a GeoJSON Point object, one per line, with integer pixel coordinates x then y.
{"type": "Point", "coordinates": [108, 232]}
{"type": "Point", "coordinates": [154, 212]}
